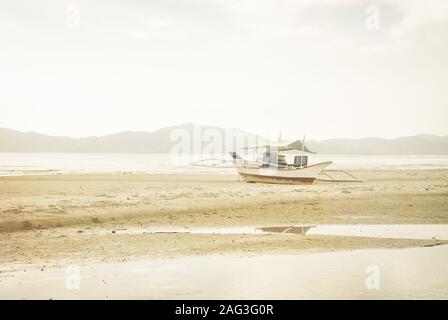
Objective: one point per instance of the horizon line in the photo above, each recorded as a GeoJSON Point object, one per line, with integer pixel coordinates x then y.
{"type": "Point", "coordinates": [222, 128]}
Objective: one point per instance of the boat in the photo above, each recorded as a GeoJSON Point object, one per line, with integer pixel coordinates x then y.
{"type": "Point", "coordinates": [272, 166]}
{"type": "Point", "coordinates": [286, 175]}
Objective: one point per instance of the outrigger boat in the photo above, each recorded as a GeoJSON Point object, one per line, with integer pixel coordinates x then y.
{"type": "Point", "coordinates": [272, 166]}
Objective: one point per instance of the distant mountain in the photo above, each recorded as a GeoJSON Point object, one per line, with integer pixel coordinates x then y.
{"type": "Point", "coordinates": [187, 138]}
{"type": "Point", "coordinates": [418, 144]}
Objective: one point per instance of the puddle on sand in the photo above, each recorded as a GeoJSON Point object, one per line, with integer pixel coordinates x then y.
{"type": "Point", "coordinates": [399, 231]}
{"type": "Point", "coordinates": [204, 230]}
{"type": "Point", "coordinates": [416, 273]}
{"type": "Point", "coordinates": [193, 230]}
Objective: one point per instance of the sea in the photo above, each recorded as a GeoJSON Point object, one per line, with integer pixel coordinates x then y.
{"type": "Point", "coordinates": [56, 163]}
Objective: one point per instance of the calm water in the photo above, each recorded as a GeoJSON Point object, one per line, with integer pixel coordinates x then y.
{"type": "Point", "coordinates": [417, 273]}
{"type": "Point", "coordinates": [44, 163]}
{"type": "Point", "coordinates": [397, 231]}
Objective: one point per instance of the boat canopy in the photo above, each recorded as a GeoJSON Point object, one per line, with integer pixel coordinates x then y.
{"type": "Point", "coordinates": [282, 146]}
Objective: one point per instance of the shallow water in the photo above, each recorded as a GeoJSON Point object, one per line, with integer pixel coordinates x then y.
{"type": "Point", "coordinates": [398, 231]}
{"type": "Point", "coordinates": [47, 163]}
{"type": "Point", "coordinates": [192, 230]}
{"type": "Point", "coordinates": [417, 273]}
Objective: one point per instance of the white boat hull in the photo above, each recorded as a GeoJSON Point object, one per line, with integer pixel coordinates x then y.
{"type": "Point", "coordinates": [289, 175]}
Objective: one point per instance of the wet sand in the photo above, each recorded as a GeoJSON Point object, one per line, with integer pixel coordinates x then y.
{"type": "Point", "coordinates": [47, 221]}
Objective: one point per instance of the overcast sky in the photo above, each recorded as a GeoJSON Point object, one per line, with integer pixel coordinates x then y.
{"type": "Point", "coordinates": [325, 68]}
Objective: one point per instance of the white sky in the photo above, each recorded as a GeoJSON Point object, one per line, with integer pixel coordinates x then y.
{"type": "Point", "coordinates": [260, 65]}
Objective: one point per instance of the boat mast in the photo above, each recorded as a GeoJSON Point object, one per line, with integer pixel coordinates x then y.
{"type": "Point", "coordinates": [302, 156]}
{"type": "Point", "coordinates": [303, 145]}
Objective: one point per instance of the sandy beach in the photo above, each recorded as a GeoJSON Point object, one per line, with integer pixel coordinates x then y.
{"type": "Point", "coordinates": [224, 150]}
{"type": "Point", "coordinates": [55, 220]}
